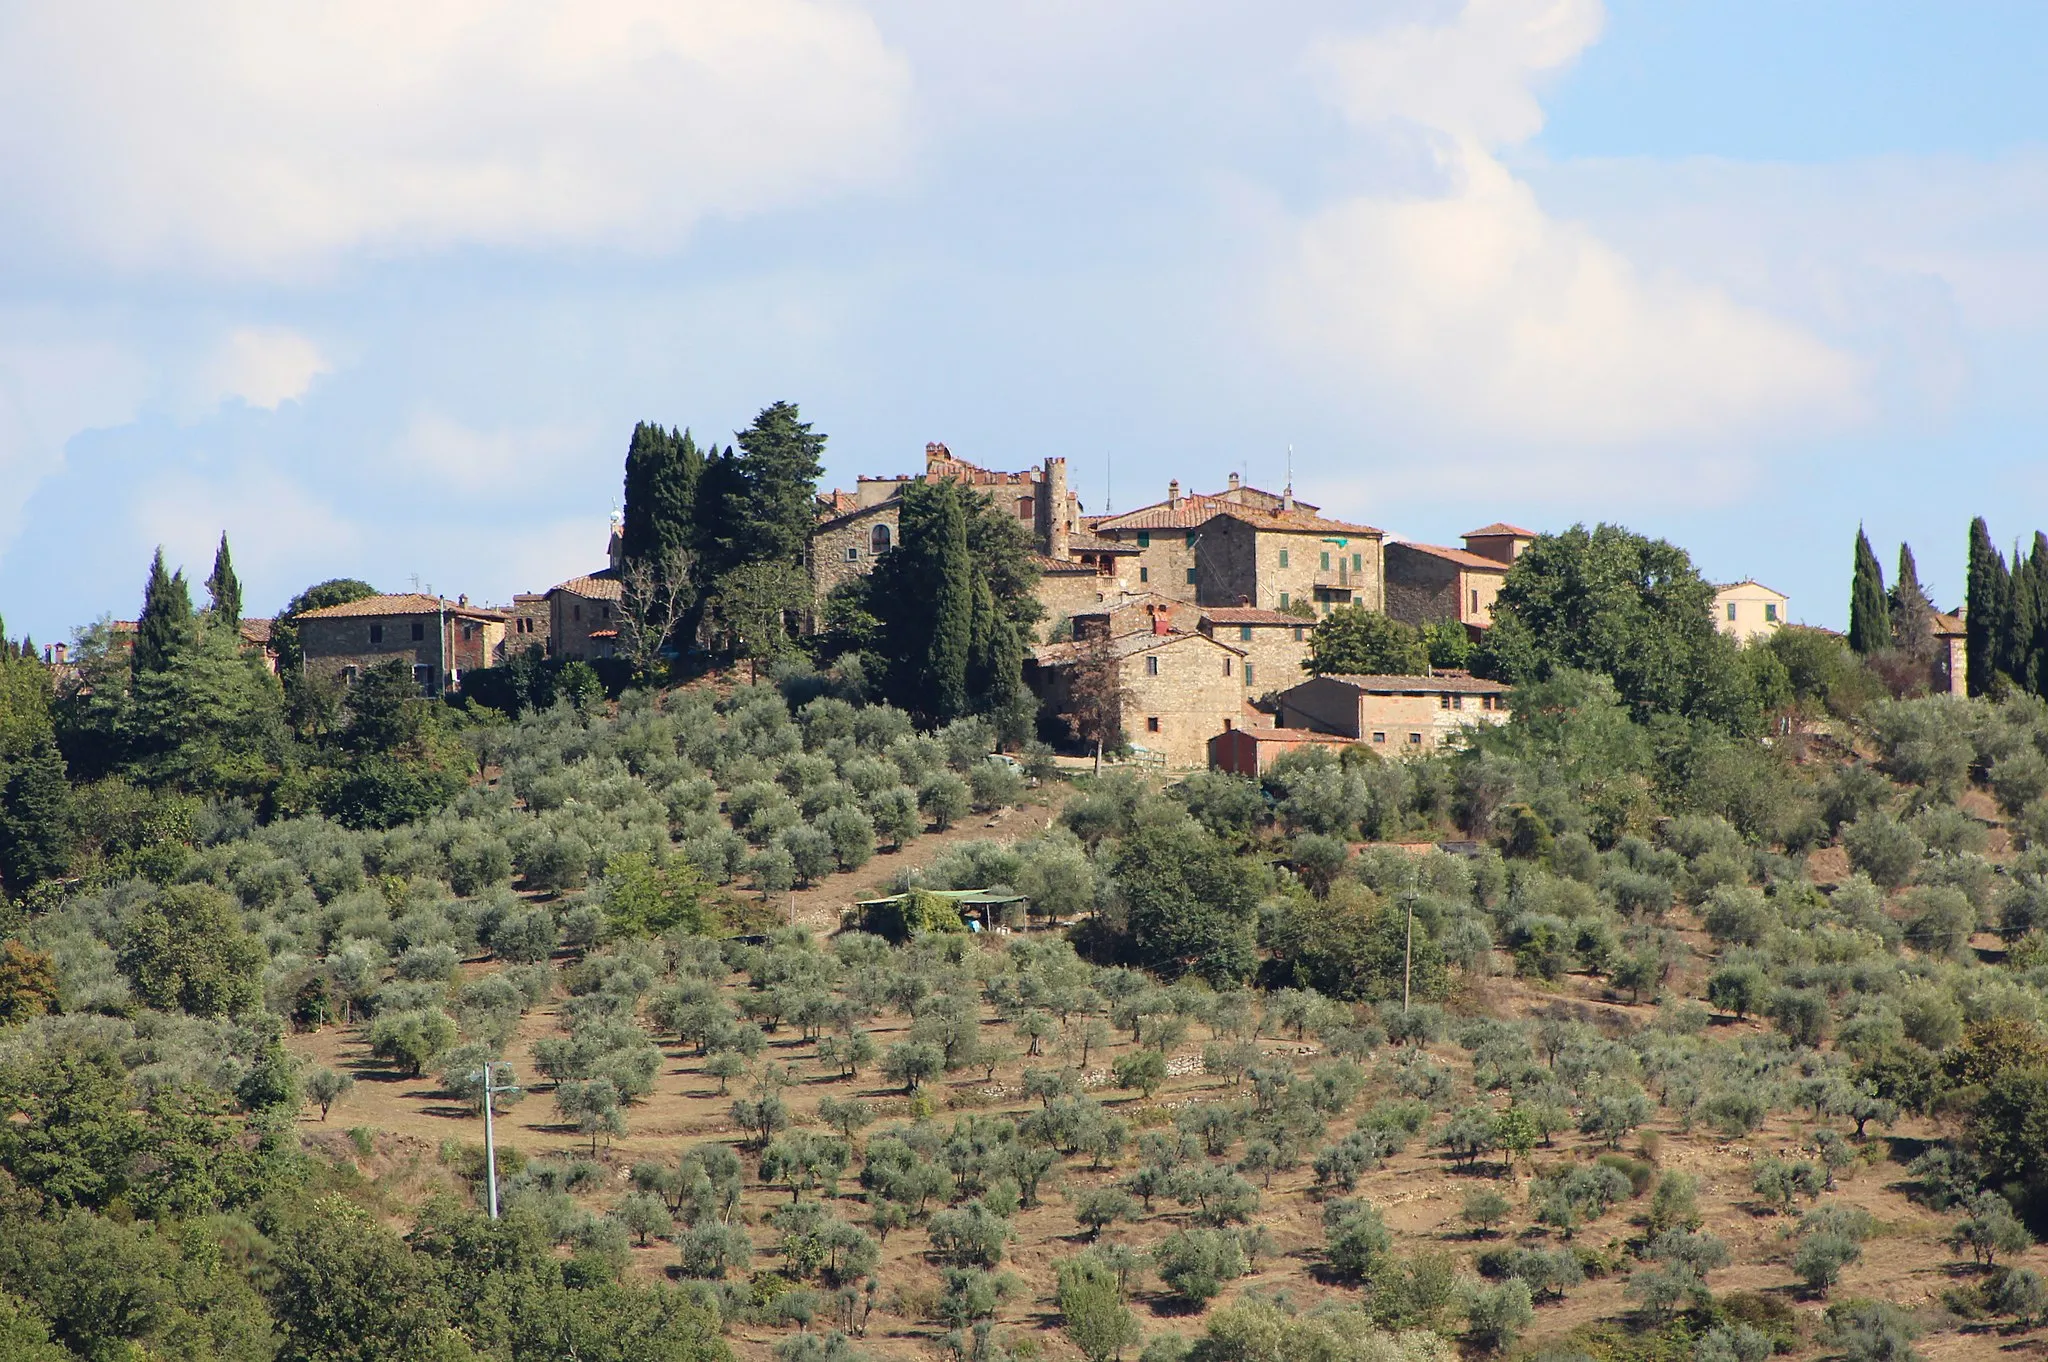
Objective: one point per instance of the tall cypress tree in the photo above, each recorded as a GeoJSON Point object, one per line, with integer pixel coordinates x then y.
{"type": "Point", "coordinates": [923, 591]}
{"type": "Point", "coordinates": [1870, 625]}
{"type": "Point", "coordinates": [35, 819]}
{"type": "Point", "coordinates": [1912, 617]}
{"type": "Point", "coordinates": [662, 471]}
{"type": "Point", "coordinates": [224, 588]}
{"type": "Point", "coordinates": [164, 628]}
{"type": "Point", "coordinates": [1987, 605]}
{"type": "Point", "coordinates": [2027, 629]}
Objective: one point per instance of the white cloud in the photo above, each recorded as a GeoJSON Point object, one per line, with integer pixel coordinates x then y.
{"type": "Point", "coordinates": [57, 379]}
{"type": "Point", "coordinates": [1470, 309]}
{"type": "Point", "coordinates": [243, 137]}
{"type": "Point", "coordinates": [508, 462]}
{"type": "Point", "coordinates": [277, 530]}
{"type": "Point", "coordinates": [262, 366]}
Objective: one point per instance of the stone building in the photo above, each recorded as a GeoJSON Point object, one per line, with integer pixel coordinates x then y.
{"type": "Point", "coordinates": [440, 639]}
{"type": "Point", "coordinates": [1274, 645]}
{"type": "Point", "coordinates": [1951, 653]}
{"type": "Point", "coordinates": [1180, 688]}
{"type": "Point", "coordinates": [529, 623]}
{"type": "Point", "coordinates": [1250, 751]}
{"type": "Point", "coordinates": [1499, 541]}
{"type": "Point", "coordinates": [1133, 612]}
{"type": "Point", "coordinates": [1394, 714]}
{"type": "Point", "coordinates": [583, 616]}
{"type": "Point", "coordinates": [1278, 558]}
{"type": "Point", "coordinates": [1429, 582]}
{"type": "Point", "coordinates": [1748, 609]}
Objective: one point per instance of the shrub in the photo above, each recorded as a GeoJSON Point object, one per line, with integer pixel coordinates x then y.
{"type": "Point", "coordinates": [1196, 1263]}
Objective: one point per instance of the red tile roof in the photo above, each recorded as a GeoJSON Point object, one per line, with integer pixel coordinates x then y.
{"type": "Point", "coordinates": [1296, 520]}
{"type": "Point", "coordinates": [596, 586]}
{"type": "Point", "coordinates": [1501, 529]}
{"type": "Point", "coordinates": [1418, 685]}
{"type": "Point", "coordinates": [1062, 567]}
{"type": "Point", "coordinates": [1470, 561]}
{"type": "Point", "coordinates": [1251, 614]}
{"type": "Point", "coordinates": [1196, 510]}
{"type": "Point", "coordinates": [1120, 647]}
{"type": "Point", "coordinates": [403, 603]}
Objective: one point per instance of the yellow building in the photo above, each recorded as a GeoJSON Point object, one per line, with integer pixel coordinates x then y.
{"type": "Point", "coordinates": [1748, 609]}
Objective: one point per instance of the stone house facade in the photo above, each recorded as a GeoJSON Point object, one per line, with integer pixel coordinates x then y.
{"type": "Point", "coordinates": [1429, 582]}
{"type": "Point", "coordinates": [529, 623]}
{"type": "Point", "coordinates": [1274, 645]}
{"type": "Point", "coordinates": [1278, 558]}
{"type": "Point", "coordinates": [1180, 688]}
{"type": "Point", "coordinates": [439, 639]}
{"type": "Point", "coordinates": [1499, 541]}
{"type": "Point", "coordinates": [1748, 610]}
{"type": "Point", "coordinates": [1250, 751]}
{"type": "Point", "coordinates": [1951, 654]}
{"type": "Point", "coordinates": [1404, 715]}
{"type": "Point", "coordinates": [583, 617]}
{"type": "Point", "coordinates": [1134, 612]}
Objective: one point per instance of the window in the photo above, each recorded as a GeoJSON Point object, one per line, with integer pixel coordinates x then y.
{"type": "Point", "coordinates": [423, 677]}
{"type": "Point", "coordinates": [1379, 737]}
{"type": "Point", "coordinates": [468, 632]}
{"type": "Point", "coordinates": [878, 540]}
{"type": "Point", "coordinates": [1152, 723]}
{"type": "Point", "coordinates": [1444, 701]}
{"type": "Point", "coordinates": [1283, 558]}
{"type": "Point", "coordinates": [419, 630]}
{"type": "Point", "coordinates": [1475, 600]}
{"type": "Point", "coordinates": [1247, 673]}
{"type": "Point", "coordinates": [1731, 612]}
{"type": "Point", "coordinates": [1283, 606]}
{"type": "Point", "coordinates": [1414, 739]}
{"type": "Point", "coordinates": [1191, 576]}
{"type": "Point", "coordinates": [1144, 574]}
{"type": "Point", "coordinates": [348, 676]}
{"type": "Point", "coordinates": [1300, 631]}
{"type": "Point", "coordinates": [376, 633]}
{"type": "Point", "coordinates": [1326, 560]}
{"type": "Point", "coordinates": [1770, 612]}
{"type": "Point", "coordinates": [1226, 666]}
{"type": "Point", "coordinates": [1191, 538]}
{"type": "Point", "coordinates": [1229, 724]}
{"type": "Point", "coordinates": [1144, 539]}
{"type": "Point", "coordinates": [1152, 665]}
{"type": "Point", "coordinates": [1027, 508]}
{"type": "Point", "coordinates": [853, 553]}
{"type": "Point", "coordinates": [1358, 562]}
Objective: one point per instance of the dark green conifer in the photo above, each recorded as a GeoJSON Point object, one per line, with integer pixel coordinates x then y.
{"type": "Point", "coordinates": [223, 588]}
{"type": "Point", "coordinates": [1870, 625]}
{"type": "Point", "coordinates": [1987, 609]}
{"type": "Point", "coordinates": [164, 629]}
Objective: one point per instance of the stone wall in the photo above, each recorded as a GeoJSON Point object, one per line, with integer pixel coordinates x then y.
{"type": "Point", "coordinates": [1196, 691]}
{"type": "Point", "coordinates": [1272, 567]}
{"type": "Point", "coordinates": [352, 644]}
{"type": "Point", "coordinates": [846, 548]}
{"type": "Point", "coordinates": [574, 618]}
{"type": "Point", "coordinates": [530, 626]}
{"type": "Point", "coordinates": [1067, 594]}
{"type": "Point", "coordinates": [1421, 587]}
{"type": "Point", "coordinates": [1273, 653]}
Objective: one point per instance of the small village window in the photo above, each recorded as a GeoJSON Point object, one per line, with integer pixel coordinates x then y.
{"type": "Point", "coordinates": [878, 539]}
{"type": "Point", "coordinates": [376, 633]}
{"type": "Point", "coordinates": [1244, 633]}
{"type": "Point", "coordinates": [1358, 562]}
{"type": "Point", "coordinates": [1414, 739]}
{"type": "Point", "coordinates": [1770, 612]}
{"type": "Point", "coordinates": [1283, 560]}
{"type": "Point", "coordinates": [853, 553]}
{"type": "Point", "coordinates": [1226, 666]}
{"type": "Point", "coordinates": [468, 632]}
{"type": "Point", "coordinates": [1379, 737]}
{"type": "Point", "coordinates": [423, 677]}
{"type": "Point", "coordinates": [1247, 673]}
{"type": "Point", "coordinates": [1191, 576]}
{"type": "Point", "coordinates": [419, 630]}
{"type": "Point", "coordinates": [1444, 701]}
{"type": "Point", "coordinates": [1191, 538]}
{"type": "Point", "coordinates": [1475, 600]}
{"type": "Point", "coordinates": [1326, 560]}
{"type": "Point", "coordinates": [348, 676]}
{"type": "Point", "coordinates": [1228, 725]}
{"type": "Point", "coordinates": [1300, 631]}
{"type": "Point", "coordinates": [1283, 606]}
{"type": "Point", "coordinates": [1152, 723]}
{"type": "Point", "coordinates": [1026, 508]}
{"type": "Point", "coordinates": [1144, 539]}
{"type": "Point", "coordinates": [1731, 612]}
{"type": "Point", "coordinates": [1152, 665]}
{"type": "Point", "coordinates": [1144, 574]}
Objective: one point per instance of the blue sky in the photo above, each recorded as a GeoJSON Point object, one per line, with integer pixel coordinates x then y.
{"type": "Point", "coordinates": [382, 295]}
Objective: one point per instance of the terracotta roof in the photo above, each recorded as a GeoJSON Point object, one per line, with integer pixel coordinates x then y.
{"type": "Point", "coordinates": [1418, 685]}
{"type": "Point", "coordinates": [256, 631]}
{"type": "Point", "coordinates": [403, 603]}
{"type": "Point", "coordinates": [1251, 614]}
{"type": "Point", "coordinates": [1120, 647]}
{"type": "Point", "coordinates": [1300, 521]}
{"type": "Point", "coordinates": [1471, 561]}
{"type": "Point", "coordinates": [1751, 581]}
{"type": "Point", "coordinates": [836, 502]}
{"type": "Point", "coordinates": [1948, 626]}
{"type": "Point", "coordinates": [1499, 528]}
{"type": "Point", "coordinates": [1244, 487]}
{"type": "Point", "coordinates": [1190, 511]}
{"type": "Point", "coordinates": [595, 586]}
{"type": "Point", "coordinates": [1062, 567]}
{"type": "Point", "coordinates": [1126, 600]}
{"type": "Point", "coordinates": [1094, 543]}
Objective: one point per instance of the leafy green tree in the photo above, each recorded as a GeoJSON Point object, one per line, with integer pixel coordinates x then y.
{"type": "Point", "coordinates": [925, 594]}
{"type": "Point", "coordinates": [70, 1132]}
{"type": "Point", "coordinates": [1870, 620]}
{"type": "Point", "coordinates": [164, 628]}
{"type": "Point", "coordinates": [349, 1290]}
{"type": "Point", "coordinates": [1629, 608]}
{"type": "Point", "coordinates": [1353, 640]}
{"type": "Point", "coordinates": [36, 822]}
{"type": "Point", "coordinates": [325, 1087]}
{"type": "Point", "coordinates": [1495, 1316]}
{"type": "Point", "coordinates": [412, 1039]}
{"type": "Point", "coordinates": [1356, 1238]}
{"type": "Point", "coordinates": [1188, 904]}
{"type": "Point", "coordinates": [1144, 1070]}
{"type": "Point", "coordinates": [1196, 1263]}
{"type": "Point", "coordinates": [663, 470]}
{"type": "Point", "coordinates": [1092, 1310]}
{"type": "Point", "coordinates": [1484, 1208]}
{"type": "Point", "coordinates": [224, 588]}
{"type": "Point", "coordinates": [186, 949]}
{"type": "Point", "coordinates": [1912, 618]}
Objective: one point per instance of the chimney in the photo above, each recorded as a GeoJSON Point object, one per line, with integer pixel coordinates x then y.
{"type": "Point", "coordinates": [1287, 498]}
{"type": "Point", "coordinates": [935, 454]}
{"type": "Point", "coordinates": [462, 599]}
{"type": "Point", "coordinates": [1173, 493]}
{"type": "Point", "coordinates": [1162, 623]}
{"type": "Point", "coordinates": [1233, 482]}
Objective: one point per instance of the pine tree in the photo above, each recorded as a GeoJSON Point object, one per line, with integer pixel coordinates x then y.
{"type": "Point", "coordinates": [164, 628]}
{"type": "Point", "coordinates": [1912, 618]}
{"type": "Point", "coordinates": [771, 501]}
{"type": "Point", "coordinates": [223, 588]}
{"type": "Point", "coordinates": [1870, 625]}
{"type": "Point", "coordinates": [1988, 605]}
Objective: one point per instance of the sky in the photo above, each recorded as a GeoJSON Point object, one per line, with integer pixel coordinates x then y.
{"type": "Point", "coordinates": [379, 290]}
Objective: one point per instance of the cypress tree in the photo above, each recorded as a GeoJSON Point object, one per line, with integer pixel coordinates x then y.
{"type": "Point", "coordinates": [2027, 647]}
{"type": "Point", "coordinates": [35, 819]}
{"type": "Point", "coordinates": [1911, 614]}
{"type": "Point", "coordinates": [662, 471]}
{"type": "Point", "coordinates": [1988, 603]}
{"type": "Point", "coordinates": [953, 608]}
{"type": "Point", "coordinates": [224, 588]}
{"type": "Point", "coordinates": [164, 628]}
{"type": "Point", "coordinates": [1870, 625]}
{"type": "Point", "coordinates": [923, 591]}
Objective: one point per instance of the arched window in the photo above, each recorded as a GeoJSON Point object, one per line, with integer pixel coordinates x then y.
{"type": "Point", "coordinates": [878, 539]}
